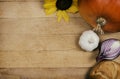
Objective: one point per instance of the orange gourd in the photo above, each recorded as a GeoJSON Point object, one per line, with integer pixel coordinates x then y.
{"type": "Point", "coordinates": [101, 14]}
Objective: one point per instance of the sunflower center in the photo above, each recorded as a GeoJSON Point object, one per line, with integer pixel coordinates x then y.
{"type": "Point", "coordinates": [63, 4]}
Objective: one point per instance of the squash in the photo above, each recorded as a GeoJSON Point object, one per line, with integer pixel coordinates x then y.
{"type": "Point", "coordinates": [101, 14]}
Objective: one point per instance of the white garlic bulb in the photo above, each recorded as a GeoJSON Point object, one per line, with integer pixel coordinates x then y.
{"type": "Point", "coordinates": [89, 40]}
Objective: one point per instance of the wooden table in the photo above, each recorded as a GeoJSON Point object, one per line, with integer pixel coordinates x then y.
{"type": "Point", "coordinates": [36, 46]}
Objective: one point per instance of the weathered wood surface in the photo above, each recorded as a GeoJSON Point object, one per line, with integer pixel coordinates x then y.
{"type": "Point", "coordinates": [42, 26]}
{"type": "Point", "coordinates": [26, 30]}
{"type": "Point", "coordinates": [36, 46]}
{"type": "Point", "coordinates": [25, 10]}
{"type": "Point", "coordinates": [46, 59]}
{"type": "Point", "coordinates": [45, 73]}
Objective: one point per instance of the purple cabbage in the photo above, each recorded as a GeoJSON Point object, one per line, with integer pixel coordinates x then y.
{"type": "Point", "coordinates": [109, 50]}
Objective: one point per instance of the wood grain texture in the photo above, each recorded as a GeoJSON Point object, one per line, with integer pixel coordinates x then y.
{"type": "Point", "coordinates": [36, 46]}
{"type": "Point", "coordinates": [44, 73]}
{"type": "Point", "coordinates": [20, 42]}
{"type": "Point", "coordinates": [43, 26]}
{"type": "Point", "coordinates": [32, 48]}
{"type": "Point", "coordinates": [29, 38]}
{"type": "Point", "coordinates": [25, 10]}
{"type": "Point", "coordinates": [46, 59]}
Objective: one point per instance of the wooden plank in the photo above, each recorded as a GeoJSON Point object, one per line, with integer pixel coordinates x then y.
{"type": "Point", "coordinates": [39, 26]}
{"type": "Point", "coordinates": [34, 42]}
{"type": "Point", "coordinates": [9, 77]}
{"type": "Point", "coordinates": [35, 34]}
{"type": "Point", "coordinates": [45, 59]}
{"type": "Point", "coordinates": [24, 10]}
{"type": "Point", "coordinates": [32, 56]}
{"type": "Point", "coordinates": [110, 35]}
{"type": "Point", "coordinates": [43, 26]}
{"type": "Point", "coordinates": [26, 40]}
{"type": "Point", "coordinates": [34, 50]}
{"type": "Point", "coordinates": [45, 73]}
{"type": "Point", "coordinates": [48, 59]}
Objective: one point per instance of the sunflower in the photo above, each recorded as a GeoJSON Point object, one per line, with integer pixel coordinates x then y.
{"type": "Point", "coordinates": [61, 7]}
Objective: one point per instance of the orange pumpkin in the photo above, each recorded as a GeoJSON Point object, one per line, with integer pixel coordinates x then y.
{"type": "Point", "coordinates": [103, 14]}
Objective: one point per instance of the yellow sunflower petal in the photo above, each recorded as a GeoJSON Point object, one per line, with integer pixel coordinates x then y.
{"type": "Point", "coordinates": [47, 1]}
{"type": "Point", "coordinates": [50, 11]}
{"type": "Point", "coordinates": [59, 15]}
{"type": "Point", "coordinates": [72, 9]}
{"type": "Point", "coordinates": [49, 5]}
{"type": "Point", "coordinates": [65, 16]}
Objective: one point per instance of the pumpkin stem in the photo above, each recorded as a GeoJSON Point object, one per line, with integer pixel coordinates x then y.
{"type": "Point", "coordinates": [100, 23]}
